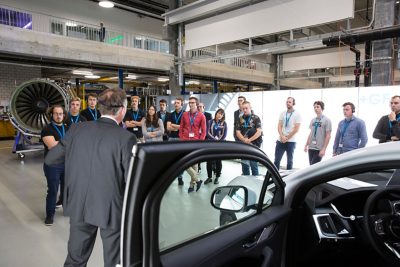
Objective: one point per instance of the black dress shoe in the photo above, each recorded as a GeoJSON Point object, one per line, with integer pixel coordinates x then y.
{"type": "Point", "coordinates": [209, 180]}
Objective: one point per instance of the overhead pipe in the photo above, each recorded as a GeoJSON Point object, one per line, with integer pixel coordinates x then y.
{"type": "Point", "coordinates": [362, 37]}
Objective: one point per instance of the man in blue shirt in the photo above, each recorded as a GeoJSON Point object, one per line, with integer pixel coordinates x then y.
{"type": "Point", "coordinates": [351, 133]}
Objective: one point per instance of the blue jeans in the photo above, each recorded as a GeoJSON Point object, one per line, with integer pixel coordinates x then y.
{"type": "Point", "coordinates": [55, 177]}
{"type": "Point", "coordinates": [280, 149]}
{"type": "Point", "coordinates": [249, 164]}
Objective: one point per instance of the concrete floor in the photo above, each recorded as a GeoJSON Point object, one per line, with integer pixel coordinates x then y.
{"type": "Point", "coordinates": [26, 241]}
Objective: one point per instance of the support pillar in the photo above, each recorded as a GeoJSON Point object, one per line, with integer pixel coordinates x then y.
{"type": "Point", "coordinates": [382, 65]}
{"type": "Point", "coordinates": [121, 78]}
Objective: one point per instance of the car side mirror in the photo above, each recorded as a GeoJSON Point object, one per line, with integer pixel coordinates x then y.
{"type": "Point", "coordinates": [232, 198]}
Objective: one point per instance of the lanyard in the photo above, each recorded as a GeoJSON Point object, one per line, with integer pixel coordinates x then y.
{"type": "Point", "coordinates": [216, 125]}
{"type": "Point", "coordinates": [390, 124]}
{"type": "Point", "coordinates": [344, 128]}
{"type": "Point", "coordinates": [246, 122]}
{"type": "Point", "coordinates": [61, 134]}
{"type": "Point", "coordinates": [135, 116]}
{"type": "Point", "coordinates": [72, 118]}
{"type": "Point", "coordinates": [93, 115]}
{"type": "Point", "coordinates": [288, 119]}
{"type": "Point", "coordinates": [179, 117]}
{"type": "Point", "coordinates": [162, 115]}
{"type": "Point", "coordinates": [316, 125]}
{"type": "Point", "coordinates": [192, 119]}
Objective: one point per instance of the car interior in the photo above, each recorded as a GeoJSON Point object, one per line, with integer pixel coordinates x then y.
{"type": "Point", "coordinates": [331, 225]}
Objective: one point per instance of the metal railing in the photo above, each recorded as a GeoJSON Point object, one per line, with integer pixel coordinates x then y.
{"type": "Point", "coordinates": [241, 62]}
{"type": "Point", "coordinates": [76, 29]}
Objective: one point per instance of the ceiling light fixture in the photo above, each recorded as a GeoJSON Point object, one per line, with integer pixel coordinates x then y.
{"type": "Point", "coordinates": [163, 79]}
{"type": "Point", "coordinates": [131, 77]}
{"type": "Point", "coordinates": [92, 76]}
{"type": "Point", "coordinates": [106, 4]}
{"type": "Point", "coordinates": [82, 72]}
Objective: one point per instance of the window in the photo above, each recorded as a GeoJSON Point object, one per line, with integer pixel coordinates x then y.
{"type": "Point", "coordinates": [184, 215]}
{"type": "Point", "coordinates": [15, 18]}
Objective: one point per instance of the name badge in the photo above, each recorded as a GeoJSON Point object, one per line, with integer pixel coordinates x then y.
{"type": "Point", "coordinates": [191, 134]}
{"type": "Point", "coordinates": [314, 142]}
{"type": "Point", "coordinates": [340, 145]}
{"type": "Point", "coordinates": [135, 129]}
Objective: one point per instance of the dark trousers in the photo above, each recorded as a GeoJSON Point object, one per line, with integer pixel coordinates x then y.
{"type": "Point", "coordinates": [280, 149]}
{"type": "Point", "coordinates": [313, 156]}
{"type": "Point", "coordinates": [81, 241]}
{"type": "Point", "coordinates": [218, 168]}
{"type": "Point", "coordinates": [249, 164]}
{"type": "Point", "coordinates": [55, 178]}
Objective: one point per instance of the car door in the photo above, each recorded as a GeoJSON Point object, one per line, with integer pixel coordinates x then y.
{"type": "Point", "coordinates": [165, 225]}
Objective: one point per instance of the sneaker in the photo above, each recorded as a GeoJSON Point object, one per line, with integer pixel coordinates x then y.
{"type": "Point", "coordinates": [180, 181]}
{"type": "Point", "coordinates": [59, 204]}
{"type": "Point", "coordinates": [209, 180]}
{"type": "Point", "coordinates": [198, 185]}
{"type": "Point", "coordinates": [191, 189]}
{"type": "Point", "coordinates": [216, 180]}
{"type": "Point", "coordinates": [49, 220]}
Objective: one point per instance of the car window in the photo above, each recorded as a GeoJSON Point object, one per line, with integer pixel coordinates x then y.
{"type": "Point", "coordinates": [186, 213]}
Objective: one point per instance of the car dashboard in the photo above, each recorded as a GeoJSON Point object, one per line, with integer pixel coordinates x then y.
{"type": "Point", "coordinates": [337, 206]}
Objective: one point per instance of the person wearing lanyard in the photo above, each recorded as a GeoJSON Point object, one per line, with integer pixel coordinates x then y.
{"type": "Point", "coordinates": [164, 115]}
{"type": "Point", "coordinates": [217, 130]}
{"type": "Point", "coordinates": [351, 133]}
{"type": "Point", "coordinates": [133, 118]}
{"type": "Point", "coordinates": [288, 126]}
{"type": "Point", "coordinates": [237, 114]}
{"type": "Point", "coordinates": [73, 114]}
{"type": "Point", "coordinates": [249, 131]}
{"type": "Point", "coordinates": [388, 127]}
{"type": "Point", "coordinates": [51, 134]}
{"type": "Point", "coordinates": [320, 134]}
{"type": "Point", "coordinates": [91, 113]}
{"type": "Point", "coordinates": [193, 127]}
{"type": "Point", "coordinates": [153, 127]}
{"type": "Point", "coordinates": [173, 125]}
{"type": "Point", "coordinates": [202, 108]}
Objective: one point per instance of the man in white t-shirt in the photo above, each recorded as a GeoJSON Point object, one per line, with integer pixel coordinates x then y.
{"type": "Point", "coordinates": [288, 126]}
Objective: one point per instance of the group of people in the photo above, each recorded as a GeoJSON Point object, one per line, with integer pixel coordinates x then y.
{"type": "Point", "coordinates": [97, 180]}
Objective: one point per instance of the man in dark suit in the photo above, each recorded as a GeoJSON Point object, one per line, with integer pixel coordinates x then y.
{"type": "Point", "coordinates": [95, 183]}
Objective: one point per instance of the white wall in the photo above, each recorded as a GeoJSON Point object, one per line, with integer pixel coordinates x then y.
{"type": "Point", "coordinates": [371, 104]}
{"type": "Point", "coordinates": [91, 13]}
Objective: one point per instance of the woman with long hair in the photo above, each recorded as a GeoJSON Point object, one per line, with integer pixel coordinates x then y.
{"type": "Point", "coordinates": [152, 126]}
{"type": "Point", "coordinates": [217, 130]}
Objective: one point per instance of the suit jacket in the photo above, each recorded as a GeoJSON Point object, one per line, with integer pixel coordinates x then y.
{"type": "Point", "coordinates": [97, 157]}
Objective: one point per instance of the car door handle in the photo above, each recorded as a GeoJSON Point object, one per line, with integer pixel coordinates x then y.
{"type": "Point", "coordinates": [263, 236]}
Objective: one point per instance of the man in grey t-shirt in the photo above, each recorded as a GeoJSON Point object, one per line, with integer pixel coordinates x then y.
{"type": "Point", "coordinates": [320, 134]}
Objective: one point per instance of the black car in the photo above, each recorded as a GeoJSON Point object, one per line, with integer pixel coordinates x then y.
{"type": "Point", "coordinates": [344, 211]}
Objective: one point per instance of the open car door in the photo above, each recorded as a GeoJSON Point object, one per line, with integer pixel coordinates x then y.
{"type": "Point", "coordinates": [241, 221]}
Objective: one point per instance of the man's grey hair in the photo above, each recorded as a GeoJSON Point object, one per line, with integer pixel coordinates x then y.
{"type": "Point", "coordinates": [111, 100]}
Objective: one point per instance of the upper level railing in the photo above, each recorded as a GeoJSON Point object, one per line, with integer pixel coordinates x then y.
{"type": "Point", "coordinates": [241, 62]}
{"type": "Point", "coordinates": [45, 23]}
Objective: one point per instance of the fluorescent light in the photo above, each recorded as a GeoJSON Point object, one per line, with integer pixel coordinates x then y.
{"type": "Point", "coordinates": [27, 25]}
{"type": "Point", "coordinates": [106, 4]}
{"type": "Point", "coordinates": [82, 72]}
{"type": "Point", "coordinates": [131, 77]}
{"type": "Point", "coordinates": [163, 79]}
{"type": "Point", "coordinates": [92, 76]}
{"type": "Point", "coordinates": [71, 24]}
